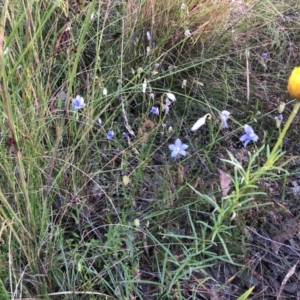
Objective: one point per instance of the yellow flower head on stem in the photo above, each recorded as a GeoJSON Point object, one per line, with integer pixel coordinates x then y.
{"type": "Point", "coordinates": [294, 84]}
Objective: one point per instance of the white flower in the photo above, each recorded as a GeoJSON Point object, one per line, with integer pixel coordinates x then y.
{"type": "Point", "coordinates": [166, 108]}
{"type": "Point", "coordinates": [5, 52]}
{"type": "Point", "coordinates": [224, 117]}
{"type": "Point", "coordinates": [200, 122]}
{"type": "Point", "coordinates": [104, 92]}
{"type": "Point", "coordinates": [171, 96]}
{"type": "Point", "coordinates": [144, 86]}
{"type": "Point", "coordinates": [183, 6]}
{"type": "Point", "coordinates": [148, 34]}
{"type": "Point", "coordinates": [187, 33]}
{"type": "Point", "coordinates": [184, 83]}
{"type": "Point", "coordinates": [100, 121]}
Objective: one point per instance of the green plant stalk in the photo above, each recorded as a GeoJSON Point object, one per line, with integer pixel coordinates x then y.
{"type": "Point", "coordinates": [272, 157]}
{"type": "Point", "coordinates": [269, 163]}
{"type": "Point", "coordinates": [72, 76]}
{"type": "Point", "coordinates": [11, 125]}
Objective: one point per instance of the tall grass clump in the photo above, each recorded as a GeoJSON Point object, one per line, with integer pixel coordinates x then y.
{"type": "Point", "coordinates": [93, 93]}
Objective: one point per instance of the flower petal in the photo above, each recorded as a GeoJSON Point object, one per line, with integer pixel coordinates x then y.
{"type": "Point", "coordinates": [172, 147]}
{"type": "Point", "coordinates": [171, 96]}
{"type": "Point", "coordinates": [182, 152]}
{"type": "Point", "coordinates": [225, 114]}
{"type": "Point", "coordinates": [246, 142]}
{"type": "Point", "coordinates": [244, 137]}
{"type": "Point", "coordinates": [154, 110]}
{"type": "Point", "coordinates": [224, 123]}
{"type": "Point", "coordinates": [178, 143]}
{"type": "Point", "coordinates": [174, 153]}
{"type": "Point", "coordinates": [184, 146]}
{"type": "Point", "coordinates": [200, 122]}
{"type": "Point", "coordinates": [248, 129]}
{"type": "Point", "coordinates": [110, 134]}
{"type": "Point", "coordinates": [254, 137]}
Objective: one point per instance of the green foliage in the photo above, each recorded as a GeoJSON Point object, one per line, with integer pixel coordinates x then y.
{"type": "Point", "coordinates": [246, 294]}
{"type": "Point", "coordinates": [3, 292]}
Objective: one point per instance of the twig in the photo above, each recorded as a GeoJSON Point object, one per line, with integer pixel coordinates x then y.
{"type": "Point", "coordinates": [128, 127]}
{"type": "Point", "coordinates": [286, 278]}
{"type": "Point", "coordinates": [126, 123]}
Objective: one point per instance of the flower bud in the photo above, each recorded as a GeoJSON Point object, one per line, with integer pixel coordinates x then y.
{"type": "Point", "coordinates": [281, 107]}
{"type": "Point", "coordinates": [200, 122]}
{"type": "Point", "coordinates": [136, 222]}
{"type": "Point", "coordinates": [294, 84]}
{"type": "Point", "coordinates": [278, 120]}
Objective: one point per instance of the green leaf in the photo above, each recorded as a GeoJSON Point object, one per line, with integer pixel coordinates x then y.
{"type": "Point", "coordinates": [4, 295]}
{"type": "Point", "coordinates": [246, 294]}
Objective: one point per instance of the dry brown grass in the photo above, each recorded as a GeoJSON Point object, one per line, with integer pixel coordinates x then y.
{"type": "Point", "coordinates": [166, 20]}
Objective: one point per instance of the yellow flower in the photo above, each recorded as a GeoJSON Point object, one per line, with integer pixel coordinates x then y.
{"type": "Point", "coordinates": [294, 84]}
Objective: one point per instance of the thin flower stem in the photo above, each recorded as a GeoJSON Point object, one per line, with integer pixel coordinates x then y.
{"type": "Point", "coordinates": [270, 160]}
{"type": "Point", "coordinates": [269, 163]}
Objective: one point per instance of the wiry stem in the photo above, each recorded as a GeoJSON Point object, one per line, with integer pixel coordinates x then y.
{"type": "Point", "coordinates": [293, 114]}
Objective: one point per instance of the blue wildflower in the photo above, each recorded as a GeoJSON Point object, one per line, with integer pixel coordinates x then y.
{"type": "Point", "coordinates": [278, 120]}
{"type": "Point", "coordinates": [249, 135]}
{"type": "Point", "coordinates": [154, 110]}
{"type": "Point", "coordinates": [178, 148]}
{"type": "Point", "coordinates": [264, 55]}
{"type": "Point", "coordinates": [78, 102]}
{"type": "Point", "coordinates": [110, 134]}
